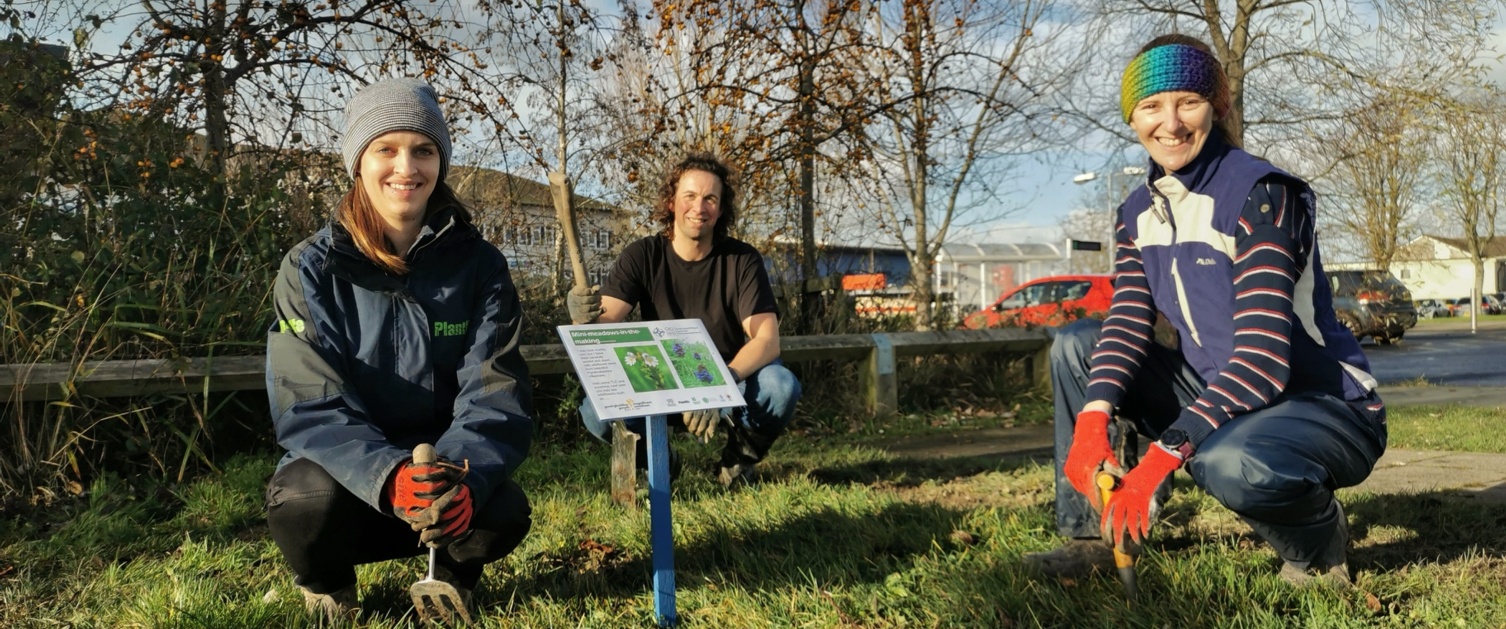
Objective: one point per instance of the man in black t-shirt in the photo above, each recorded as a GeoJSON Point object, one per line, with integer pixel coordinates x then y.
{"type": "Point", "coordinates": [693, 269]}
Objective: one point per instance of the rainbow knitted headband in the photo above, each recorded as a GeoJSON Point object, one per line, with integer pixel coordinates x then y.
{"type": "Point", "coordinates": [1169, 68]}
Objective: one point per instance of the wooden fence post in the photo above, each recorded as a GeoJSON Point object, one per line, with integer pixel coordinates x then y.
{"type": "Point", "coordinates": [624, 466]}
{"type": "Point", "coordinates": [880, 386]}
{"type": "Point", "coordinates": [1039, 364]}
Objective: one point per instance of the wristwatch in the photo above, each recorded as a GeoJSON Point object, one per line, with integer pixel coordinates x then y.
{"type": "Point", "coordinates": [1176, 441]}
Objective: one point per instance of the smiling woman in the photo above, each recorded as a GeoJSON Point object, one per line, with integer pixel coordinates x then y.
{"type": "Point", "coordinates": [1267, 400]}
{"type": "Point", "coordinates": [397, 330]}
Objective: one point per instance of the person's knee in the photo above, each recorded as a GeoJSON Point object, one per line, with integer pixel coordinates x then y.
{"type": "Point", "coordinates": [303, 483]}
{"type": "Point", "coordinates": [500, 525]}
{"type": "Point", "coordinates": [780, 386]}
{"type": "Point", "coordinates": [508, 507]}
{"type": "Point", "coordinates": [1074, 342]}
{"type": "Point", "coordinates": [771, 398]}
{"type": "Point", "coordinates": [303, 496]}
{"type": "Point", "coordinates": [1243, 481]}
{"type": "Point", "coordinates": [593, 424]}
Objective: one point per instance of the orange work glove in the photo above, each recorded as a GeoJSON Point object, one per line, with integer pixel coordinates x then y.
{"type": "Point", "coordinates": [1132, 507]}
{"type": "Point", "coordinates": [413, 489]}
{"type": "Point", "coordinates": [1090, 449]}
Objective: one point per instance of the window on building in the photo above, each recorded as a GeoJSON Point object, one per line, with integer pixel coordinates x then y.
{"type": "Point", "coordinates": [1406, 274]}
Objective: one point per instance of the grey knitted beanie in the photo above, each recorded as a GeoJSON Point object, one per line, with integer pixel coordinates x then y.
{"type": "Point", "coordinates": [393, 105]}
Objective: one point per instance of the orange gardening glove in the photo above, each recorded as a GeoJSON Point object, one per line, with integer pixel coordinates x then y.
{"type": "Point", "coordinates": [412, 490]}
{"type": "Point", "coordinates": [454, 510]}
{"type": "Point", "coordinates": [1132, 507]}
{"type": "Point", "coordinates": [1090, 448]}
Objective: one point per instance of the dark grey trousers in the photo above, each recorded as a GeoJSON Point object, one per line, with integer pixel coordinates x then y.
{"type": "Point", "coordinates": [324, 531]}
{"type": "Point", "coordinates": [1276, 468]}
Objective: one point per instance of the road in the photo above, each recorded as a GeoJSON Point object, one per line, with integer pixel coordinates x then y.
{"type": "Point", "coordinates": [1446, 354]}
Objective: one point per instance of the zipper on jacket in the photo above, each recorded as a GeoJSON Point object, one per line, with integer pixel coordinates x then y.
{"type": "Point", "coordinates": [1156, 199]}
{"type": "Point", "coordinates": [1176, 279]}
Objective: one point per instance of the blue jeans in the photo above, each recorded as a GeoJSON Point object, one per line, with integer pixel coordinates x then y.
{"type": "Point", "coordinates": [1276, 467]}
{"type": "Point", "coordinates": [770, 394]}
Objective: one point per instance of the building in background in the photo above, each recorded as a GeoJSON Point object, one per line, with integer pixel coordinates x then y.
{"type": "Point", "coordinates": [517, 215]}
{"type": "Point", "coordinates": [1437, 267]}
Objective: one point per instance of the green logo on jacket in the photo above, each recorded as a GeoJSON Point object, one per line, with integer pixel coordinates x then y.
{"type": "Point", "coordinates": [451, 329]}
{"type": "Point", "coordinates": [290, 325]}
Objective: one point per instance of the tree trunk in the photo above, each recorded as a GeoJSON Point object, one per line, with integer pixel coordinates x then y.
{"type": "Point", "coordinates": [810, 300]}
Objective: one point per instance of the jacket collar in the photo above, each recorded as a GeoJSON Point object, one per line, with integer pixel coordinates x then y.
{"type": "Point", "coordinates": [444, 227]}
{"type": "Point", "coordinates": [1202, 169]}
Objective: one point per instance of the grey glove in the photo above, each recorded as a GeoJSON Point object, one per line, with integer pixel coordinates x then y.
{"type": "Point", "coordinates": [703, 423]}
{"type": "Point", "coordinates": [584, 304]}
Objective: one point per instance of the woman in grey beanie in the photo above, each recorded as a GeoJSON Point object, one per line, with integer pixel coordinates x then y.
{"type": "Point", "coordinates": [397, 325]}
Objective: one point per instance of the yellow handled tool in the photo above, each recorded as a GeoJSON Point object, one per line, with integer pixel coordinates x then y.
{"type": "Point", "coordinates": [1124, 554]}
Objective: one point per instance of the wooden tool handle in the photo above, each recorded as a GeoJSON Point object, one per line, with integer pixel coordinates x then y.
{"type": "Point", "coordinates": [564, 210]}
{"type": "Point", "coordinates": [423, 454]}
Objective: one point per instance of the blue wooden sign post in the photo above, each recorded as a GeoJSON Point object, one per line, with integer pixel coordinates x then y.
{"type": "Point", "coordinates": [661, 529]}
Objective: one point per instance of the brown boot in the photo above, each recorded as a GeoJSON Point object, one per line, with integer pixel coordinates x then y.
{"type": "Point", "coordinates": [1076, 559]}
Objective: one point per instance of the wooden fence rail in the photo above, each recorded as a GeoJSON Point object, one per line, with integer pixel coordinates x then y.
{"type": "Point", "coordinates": [876, 352]}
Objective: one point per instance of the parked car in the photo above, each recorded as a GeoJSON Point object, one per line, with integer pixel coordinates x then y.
{"type": "Point", "coordinates": [1373, 304]}
{"type": "Point", "coordinates": [1489, 305]}
{"type": "Point", "coordinates": [1053, 300]}
{"type": "Point", "coordinates": [1429, 308]}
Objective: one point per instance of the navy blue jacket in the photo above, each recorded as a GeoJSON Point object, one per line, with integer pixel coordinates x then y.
{"type": "Point", "coordinates": [362, 364]}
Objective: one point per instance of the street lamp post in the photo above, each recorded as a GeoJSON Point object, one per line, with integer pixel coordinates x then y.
{"type": "Point", "coordinates": [1108, 179]}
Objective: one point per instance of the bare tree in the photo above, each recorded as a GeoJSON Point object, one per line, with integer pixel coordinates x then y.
{"type": "Point", "coordinates": [1380, 156]}
{"type": "Point", "coordinates": [766, 83]}
{"type": "Point", "coordinates": [253, 72]}
{"type": "Point", "coordinates": [1472, 172]}
{"type": "Point", "coordinates": [965, 80]}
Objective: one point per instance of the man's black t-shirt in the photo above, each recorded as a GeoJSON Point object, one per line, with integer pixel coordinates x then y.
{"type": "Point", "coordinates": [722, 289]}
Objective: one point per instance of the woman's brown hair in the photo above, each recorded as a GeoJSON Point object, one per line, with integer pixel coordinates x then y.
{"type": "Point", "coordinates": [358, 217]}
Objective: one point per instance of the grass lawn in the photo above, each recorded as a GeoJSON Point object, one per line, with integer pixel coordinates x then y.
{"type": "Point", "coordinates": [1454, 428]}
{"type": "Point", "coordinates": [834, 534]}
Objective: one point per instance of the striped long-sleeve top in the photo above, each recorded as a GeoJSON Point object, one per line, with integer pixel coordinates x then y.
{"type": "Point", "coordinates": [1232, 262]}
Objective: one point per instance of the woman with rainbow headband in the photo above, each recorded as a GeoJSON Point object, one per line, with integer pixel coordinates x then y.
{"type": "Point", "coordinates": [1267, 400]}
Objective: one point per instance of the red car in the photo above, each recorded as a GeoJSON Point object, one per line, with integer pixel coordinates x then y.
{"type": "Point", "coordinates": [1052, 301]}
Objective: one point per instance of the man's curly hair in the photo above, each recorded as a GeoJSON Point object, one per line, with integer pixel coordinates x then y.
{"type": "Point", "coordinates": [664, 213]}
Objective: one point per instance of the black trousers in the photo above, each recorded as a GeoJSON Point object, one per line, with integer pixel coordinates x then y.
{"type": "Point", "coordinates": [324, 531]}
